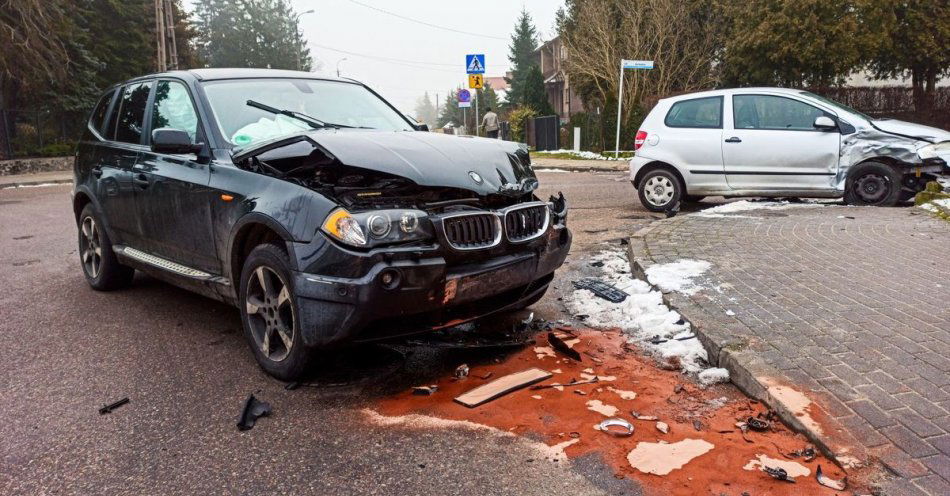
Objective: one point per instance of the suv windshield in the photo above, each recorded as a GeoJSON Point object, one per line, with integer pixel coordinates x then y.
{"type": "Point", "coordinates": [333, 102]}
{"type": "Point", "coordinates": [837, 105]}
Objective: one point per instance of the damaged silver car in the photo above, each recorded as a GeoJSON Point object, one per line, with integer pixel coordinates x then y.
{"type": "Point", "coordinates": [777, 142]}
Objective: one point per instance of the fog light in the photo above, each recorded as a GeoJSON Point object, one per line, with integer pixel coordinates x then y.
{"type": "Point", "coordinates": [389, 278]}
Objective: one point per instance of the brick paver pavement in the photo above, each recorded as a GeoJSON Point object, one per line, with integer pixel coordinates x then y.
{"type": "Point", "coordinates": [851, 303]}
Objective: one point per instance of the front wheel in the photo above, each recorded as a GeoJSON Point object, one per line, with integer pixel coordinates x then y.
{"type": "Point", "coordinates": [660, 190]}
{"type": "Point", "coordinates": [270, 314]}
{"type": "Point", "coordinates": [873, 184]}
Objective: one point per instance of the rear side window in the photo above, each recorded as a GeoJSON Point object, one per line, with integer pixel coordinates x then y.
{"type": "Point", "coordinates": [99, 112]}
{"type": "Point", "coordinates": [773, 112]}
{"type": "Point", "coordinates": [173, 108]}
{"type": "Point", "coordinates": [698, 112]}
{"type": "Point", "coordinates": [128, 126]}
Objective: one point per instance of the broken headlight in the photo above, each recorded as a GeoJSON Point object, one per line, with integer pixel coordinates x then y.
{"type": "Point", "coordinates": [377, 227]}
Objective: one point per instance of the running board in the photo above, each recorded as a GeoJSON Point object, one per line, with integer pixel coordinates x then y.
{"type": "Point", "coordinates": [167, 265]}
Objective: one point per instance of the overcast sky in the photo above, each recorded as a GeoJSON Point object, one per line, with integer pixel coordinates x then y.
{"type": "Point", "coordinates": [339, 26]}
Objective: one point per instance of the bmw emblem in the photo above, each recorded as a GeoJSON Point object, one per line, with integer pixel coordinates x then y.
{"type": "Point", "coordinates": [475, 177]}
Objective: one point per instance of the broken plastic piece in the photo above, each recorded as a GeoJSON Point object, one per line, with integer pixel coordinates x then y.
{"type": "Point", "coordinates": [461, 371]}
{"type": "Point", "coordinates": [642, 417]}
{"type": "Point", "coordinates": [616, 427]}
{"type": "Point", "coordinates": [501, 386]}
{"type": "Point", "coordinates": [559, 345]}
{"type": "Point", "coordinates": [663, 427]}
{"type": "Point", "coordinates": [112, 406]}
{"type": "Point", "coordinates": [424, 390]}
{"type": "Point", "coordinates": [838, 485]}
{"type": "Point", "coordinates": [758, 424]}
{"type": "Point", "coordinates": [606, 291]}
{"type": "Point", "coordinates": [558, 385]}
{"type": "Point", "coordinates": [657, 340]}
{"type": "Point", "coordinates": [253, 410]}
{"type": "Point", "coordinates": [778, 473]}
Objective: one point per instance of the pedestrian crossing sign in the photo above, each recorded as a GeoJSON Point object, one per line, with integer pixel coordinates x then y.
{"type": "Point", "coordinates": [476, 81]}
{"type": "Point", "coordinates": [475, 63]}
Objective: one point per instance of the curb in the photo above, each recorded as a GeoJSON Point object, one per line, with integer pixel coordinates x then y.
{"type": "Point", "coordinates": [18, 184]}
{"type": "Point", "coordinates": [753, 376]}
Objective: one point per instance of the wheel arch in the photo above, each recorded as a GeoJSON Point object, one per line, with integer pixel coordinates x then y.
{"type": "Point", "coordinates": [80, 200]}
{"type": "Point", "coordinates": [251, 231]}
{"type": "Point", "coordinates": [655, 165]}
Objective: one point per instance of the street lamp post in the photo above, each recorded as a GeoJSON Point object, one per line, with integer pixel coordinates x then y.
{"type": "Point", "coordinates": [297, 35]}
{"type": "Point", "coordinates": [338, 66]}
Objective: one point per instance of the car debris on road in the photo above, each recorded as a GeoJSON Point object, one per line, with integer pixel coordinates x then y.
{"type": "Point", "coordinates": [253, 410]}
{"type": "Point", "coordinates": [112, 406]}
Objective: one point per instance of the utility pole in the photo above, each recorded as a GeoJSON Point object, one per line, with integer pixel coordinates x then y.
{"type": "Point", "coordinates": [166, 55]}
{"type": "Point", "coordinates": [171, 48]}
{"type": "Point", "coordinates": [160, 35]}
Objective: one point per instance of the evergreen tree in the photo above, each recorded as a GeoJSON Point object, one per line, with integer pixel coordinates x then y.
{"type": "Point", "coordinates": [251, 33]}
{"type": "Point", "coordinates": [426, 111]}
{"type": "Point", "coordinates": [524, 41]}
{"type": "Point", "coordinates": [534, 94]}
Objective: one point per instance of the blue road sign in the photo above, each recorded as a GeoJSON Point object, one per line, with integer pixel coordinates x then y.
{"type": "Point", "coordinates": [465, 96]}
{"type": "Point", "coordinates": [475, 63]}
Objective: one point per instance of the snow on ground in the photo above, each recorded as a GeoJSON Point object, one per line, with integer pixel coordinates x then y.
{"type": "Point", "coordinates": [727, 209]}
{"type": "Point", "coordinates": [581, 154]}
{"type": "Point", "coordinates": [642, 315]}
{"type": "Point", "coordinates": [936, 205]}
{"type": "Point", "coordinates": [678, 275]}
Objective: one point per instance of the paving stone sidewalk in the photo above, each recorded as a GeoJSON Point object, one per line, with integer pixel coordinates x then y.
{"type": "Point", "coordinates": [851, 304]}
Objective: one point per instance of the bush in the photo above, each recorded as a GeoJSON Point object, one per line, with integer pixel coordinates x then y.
{"type": "Point", "coordinates": [57, 150]}
{"type": "Point", "coordinates": [518, 120]}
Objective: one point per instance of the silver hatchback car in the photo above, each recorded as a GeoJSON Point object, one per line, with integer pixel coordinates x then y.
{"type": "Point", "coordinates": [778, 142]}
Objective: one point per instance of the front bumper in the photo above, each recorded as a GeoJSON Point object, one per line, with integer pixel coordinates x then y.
{"type": "Point", "coordinates": [410, 290]}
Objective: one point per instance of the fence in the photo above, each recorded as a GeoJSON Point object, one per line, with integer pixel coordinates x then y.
{"type": "Point", "coordinates": [31, 133]}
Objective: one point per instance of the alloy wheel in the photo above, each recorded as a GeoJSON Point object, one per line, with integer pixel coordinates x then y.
{"type": "Point", "coordinates": [659, 190]}
{"type": "Point", "coordinates": [872, 188]}
{"type": "Point", "coordinates": [90, 247]}
{"type": "Point", "coordinates": [270, 313]}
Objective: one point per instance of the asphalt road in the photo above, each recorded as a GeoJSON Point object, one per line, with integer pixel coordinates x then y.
{"type": "Point", "coordinates": [182, 361]}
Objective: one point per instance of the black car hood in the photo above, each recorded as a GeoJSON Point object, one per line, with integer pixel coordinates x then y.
{"type": "Point", "coordinates": [484, 166]}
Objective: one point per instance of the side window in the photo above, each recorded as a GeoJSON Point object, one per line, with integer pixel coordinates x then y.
{"type": "Point", "coordinates": [128, 126]}
{"type": "Point", "coordinates": [773, 112]}
{"type": "Point", "coordinates": [699, 112]}
{"type": "Point", "coordinates": [98, 117]}
{"type": "Point", "coordinates": [173, 108]}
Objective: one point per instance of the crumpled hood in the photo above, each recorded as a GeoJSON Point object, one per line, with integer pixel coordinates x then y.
{"type": "Point", "coordinates": [927, 133]}
{"type": "Point", "coordinates": [433, 159]}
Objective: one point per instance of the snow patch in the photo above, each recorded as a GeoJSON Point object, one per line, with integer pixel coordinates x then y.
{"type": "Point", "coordinates": [586, 155]}
{"type": "Point", "coordinates": [678, 275]}
{"type": "Point", "coordinates": [712, 376]}
{"type": "Point", "coordinates": [720, 211]}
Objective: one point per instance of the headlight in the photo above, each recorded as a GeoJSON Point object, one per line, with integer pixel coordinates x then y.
{"type": "Point", "coordinates": [377, 227]}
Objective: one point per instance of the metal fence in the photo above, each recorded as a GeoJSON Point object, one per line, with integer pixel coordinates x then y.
{"type": "Point", "coordinates": [31, 133]}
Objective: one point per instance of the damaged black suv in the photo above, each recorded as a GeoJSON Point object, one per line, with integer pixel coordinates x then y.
{"type": "Point", "coordinates": [325, 215]}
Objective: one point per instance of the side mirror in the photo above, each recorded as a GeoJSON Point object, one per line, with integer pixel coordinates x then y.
{"type": "Point", "coordinates": [175, 141]}
{"type": "Point", "coordinates": [825, 123]}
{"type": "Point", "coordinates": [421, 127]}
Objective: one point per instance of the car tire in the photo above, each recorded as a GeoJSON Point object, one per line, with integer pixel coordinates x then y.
{"type": "Point", "coordinates": [873, 184]}
{"type": "Point", "coordinates": [99, 264]}
{"type": "Point", "coordinates": [660, 190]}
{"type": "Point", "coordinates": [270, 315]}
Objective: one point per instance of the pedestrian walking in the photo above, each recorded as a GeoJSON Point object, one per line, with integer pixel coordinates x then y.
{"type": "Point", "coordinates": [490, 123]}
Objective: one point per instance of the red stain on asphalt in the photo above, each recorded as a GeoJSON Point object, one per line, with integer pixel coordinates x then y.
{"type": "Point", "coordinates": [560, 416]}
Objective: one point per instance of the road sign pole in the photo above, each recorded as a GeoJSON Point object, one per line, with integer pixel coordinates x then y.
{"type": "Point", "coordinates": [477, 132]}
{"type": "Point", "coordinates": [619, 108]}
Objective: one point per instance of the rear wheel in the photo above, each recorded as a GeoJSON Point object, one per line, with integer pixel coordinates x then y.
{"type": "Point", "coordinates": [102, 270]}
{"type": "Point", "coordinates": [873, 183]}
{"type": "Point", "coordinates": [659, 190]}
{"type": "Point", "coordinates": [270, 315]}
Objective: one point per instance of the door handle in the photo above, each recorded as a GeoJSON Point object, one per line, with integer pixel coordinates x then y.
{"type": "Point", "coordinates": [734, 139]}
{"type": "Point", "coordinates": [140, 180]}
{"type": "Point", "coordinates": [97, 171]}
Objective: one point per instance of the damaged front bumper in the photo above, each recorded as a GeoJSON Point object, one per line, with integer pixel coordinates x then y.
{"type": "Point", "coordinates": [384, 293]}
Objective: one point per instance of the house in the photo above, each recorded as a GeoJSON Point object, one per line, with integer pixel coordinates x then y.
{"type": "Point", "coordinates": [550, 57]}
{"type": "Point", "coordinates": [500, 85]}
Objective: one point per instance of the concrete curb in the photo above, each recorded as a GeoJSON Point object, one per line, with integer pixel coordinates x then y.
{"type": "Point", "coordinates": [752, 375]}
{"type": "Point", "coordinates": [13, 182]}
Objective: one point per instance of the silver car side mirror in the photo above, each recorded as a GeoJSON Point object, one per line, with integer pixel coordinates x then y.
{"type": "Point", "coordinates": [825, 123]}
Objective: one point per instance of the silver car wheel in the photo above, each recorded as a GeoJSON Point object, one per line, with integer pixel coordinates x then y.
{"type": "Point", "coordinates": [659, 190]}
{"type": "Point", "coordinates": [270, 313]}
{"type": "Point", "coordinates": [90, 247]}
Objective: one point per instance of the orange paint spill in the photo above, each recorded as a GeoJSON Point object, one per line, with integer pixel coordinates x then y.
{"type": "Point", "coordinates": [565, 419]}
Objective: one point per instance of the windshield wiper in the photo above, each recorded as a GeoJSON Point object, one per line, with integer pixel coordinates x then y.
{"type": "Point", "coordinates": [310, 121]}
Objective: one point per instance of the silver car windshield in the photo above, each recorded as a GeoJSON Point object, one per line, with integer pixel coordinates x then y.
{"type": "Point", "coordinates": [333, 102]}
{"type": "Point", "coordinates": [837, 105]}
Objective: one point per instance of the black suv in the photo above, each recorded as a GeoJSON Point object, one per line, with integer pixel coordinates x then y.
{"type": "Point", "coordinates": [325, 215]}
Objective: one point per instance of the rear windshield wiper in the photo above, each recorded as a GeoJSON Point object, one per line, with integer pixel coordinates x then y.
{"type": "Point", "coordinates": [310, 121]}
